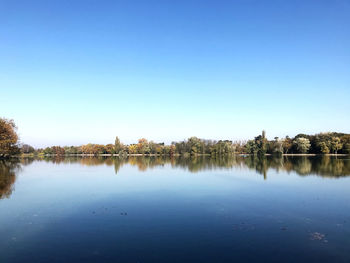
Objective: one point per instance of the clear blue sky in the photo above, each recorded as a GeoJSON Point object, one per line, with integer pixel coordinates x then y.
{"type": "Point", "coordinates": [73, 72]}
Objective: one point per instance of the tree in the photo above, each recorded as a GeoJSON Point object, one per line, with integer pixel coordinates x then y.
{"type": "Point", "coordinates": [8, 138]}
{"type": "Point", "coordinates": [345, 140]}
{"type": "Point", "coordinates": [110, 148]}
{"type": "Point", "coordinates": [143, 146]}
{"type": "Point", "coordinates": [346, 148]}
{"type": "Point", "coordinates": [277, 146]}
{"type": "Point", "coordinates": [336, 145]}
{"type": "Point", "coordinates": [194, 145]}
{"type": "Point", "coordinates": [323, 147]}
{"type": "Point", "coordinates": [153, 147]}
{"type": "Point", "coordinates": [287, 144]}
{"type": "Point", "coordinates": [251, 147]}
{"type": "Point", "coordinates": [58, 150]}
{"type": "Point", "coordinates": [27, 149]}
{"type": "Point", "coordinates": [321, 143]}
{"type": "Point", "coordinates": [47, 151]}
{"type": "Point", "coordinates": [118, 146]}
{"type": "Point", "coordinates": [302, 144]}
{"type": "Point", "coordinates": [133, 148]}
{"type": "Point", "coordinates": [172, 149]}
{"type": "Point", "coordinates": [222, 147]}
{"type": "Point", "coordinates": [261, 143]}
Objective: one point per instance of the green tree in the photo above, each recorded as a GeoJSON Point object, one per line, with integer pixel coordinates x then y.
{"type": "Point", "coordinates": [323, 147]}
{"type": "Point", "coordinates": [118, 146]}
{"type": "Point", "coordinates": [336, 144]}
{"type": "Point", "coordinates": [47, 151]}
{"type": "Point", "coordinates": [277, 146]}
{"type": "Point", "coordinates": [345, 140]}
{"type": "Point", "coordinates": [251, 147]}
{"type": "Point", "coordinates": [302, 144]}
{"type": "Point", "coordinates": [194, 145]}
{"type": "Point", "coordinates": [261, 143]}
{"type": "Point", "coordinates": [346, 148]}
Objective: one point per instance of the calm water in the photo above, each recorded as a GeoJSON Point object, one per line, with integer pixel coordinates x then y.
{"type": "Point", "coordinates": [175, 210]}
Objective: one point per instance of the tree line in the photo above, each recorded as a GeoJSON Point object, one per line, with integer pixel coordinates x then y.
{"type": "Point", "coordinates": [322, 143]}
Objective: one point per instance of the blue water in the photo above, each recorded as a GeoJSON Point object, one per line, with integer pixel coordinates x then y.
{"type": "Point", "coordinates": [157, 210]}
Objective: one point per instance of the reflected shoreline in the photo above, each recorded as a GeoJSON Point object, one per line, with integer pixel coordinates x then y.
{"type": "Point", "coordinates": [323, 166]}
{"type": "Point", "coordinates": [8, 173]}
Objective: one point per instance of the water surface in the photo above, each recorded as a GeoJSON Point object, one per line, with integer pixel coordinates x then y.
{"type": "Point", "coordinates": [151, 209]}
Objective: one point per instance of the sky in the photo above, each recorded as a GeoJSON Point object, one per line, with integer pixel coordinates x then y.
{"type": "Point", "coordinates": [74, 72]}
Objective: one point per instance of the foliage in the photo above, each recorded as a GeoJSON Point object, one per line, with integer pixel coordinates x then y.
{"type": "Point", "coordinates": [25, 148]}
{"type": "Point", "coordinates": [8, 138]}
{"type": "Point", "coordinates": [323, 147]}
{"type": "Point", "coordinates": [287, 144]}
{"type": "Point", "coordinates": [261, 143]}
{"type": "Point", "coordinates": [322, 143]}
{"type": "Point", "coordinates": [118, 146]}
{"type": "Point", "coordinates": [276, 146]}
{"type": "Point", "coordinates": [251, 147]}
{"type": "Point", "coordinates": [336, 145]}
{"type": "Point", "coordinates": [302, 144]}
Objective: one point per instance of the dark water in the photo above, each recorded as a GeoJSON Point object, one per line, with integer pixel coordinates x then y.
{"type": "Point", "coordinates": [238, 209]}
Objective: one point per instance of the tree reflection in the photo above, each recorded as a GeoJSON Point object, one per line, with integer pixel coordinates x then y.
{"type": "Point", "coordinates": [325, 166]}
{"type": "Point", "coordinates": [302, 165]}
{"type": "Point", "coordinates": [8, 171]}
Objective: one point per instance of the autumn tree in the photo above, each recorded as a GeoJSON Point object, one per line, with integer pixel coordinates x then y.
{"type": "Point", "coordinates": [110, 148]}
{"type": "Point", "coordinates": [143, 146]}
{"type": "Point", "coordinates": [8, 138]}
{"type": "Point", "coordinates": [172, 149]}
{"type": "Point", "coordinates": [132, 148]}
{"type": "Point", "coordinates": [287, 144]}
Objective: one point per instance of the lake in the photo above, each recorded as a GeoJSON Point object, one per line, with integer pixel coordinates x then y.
{"type": "Point", "coordinates": [153, 209]}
